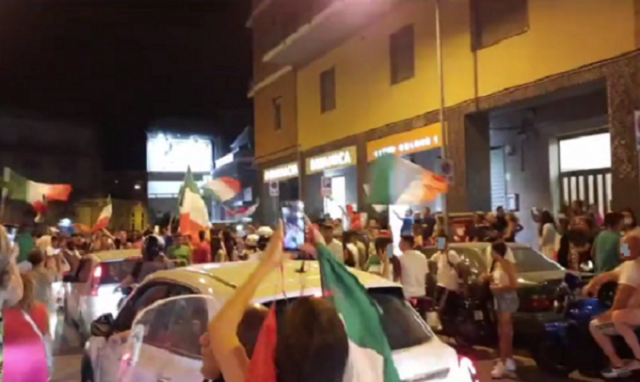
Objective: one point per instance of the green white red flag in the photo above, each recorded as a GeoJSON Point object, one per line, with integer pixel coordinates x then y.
{"type": "Point", "coordinates": [370, 358]}
{"type": "Point", "coordinates": [105, 216]}
{"type": "Point", "coordinates": [397, 181]}
{"type": "Point", "coordinates": [37, 194]}
{"type": "Point", "coordinates": [224, 189]}
{"type": "Point", "coordinates": [194, 216]}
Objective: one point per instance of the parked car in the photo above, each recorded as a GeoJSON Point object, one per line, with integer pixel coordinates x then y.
{"type": "Point", "coordinates": [92, 291]}
{"type": "Point", "coordinates": [539, 279]}
{"type": "Point", "coordinates": [418, 353]}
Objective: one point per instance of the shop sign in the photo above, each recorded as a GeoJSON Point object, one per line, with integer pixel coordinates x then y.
{"type": "Point", "coordinates": [332, 161]}
{"type": "Point", "coordinates": [284, 172]}
{"type": "Point", "coordinates": [225, 160]}
{"type": "Point", "coordinates": [422, 139]}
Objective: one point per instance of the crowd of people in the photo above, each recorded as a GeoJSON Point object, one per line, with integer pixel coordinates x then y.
{"type": "Point", "coordinates": [33, 262]}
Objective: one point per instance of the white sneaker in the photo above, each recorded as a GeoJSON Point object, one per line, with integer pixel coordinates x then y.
{"type": "Point", "coordinates": [511, 365]}
{"type": "Point", "coordinates": [499, 370]}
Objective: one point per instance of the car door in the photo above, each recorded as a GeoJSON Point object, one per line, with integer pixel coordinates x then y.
{"type": "Point", "coordinates": [109, 354]}
{"type": "Point", "coordinates": [169, 349]}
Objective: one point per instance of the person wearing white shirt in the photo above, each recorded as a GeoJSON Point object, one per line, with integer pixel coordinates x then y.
{"type": "Point", "coordinates": [447, 278]}
{"type": "Point", "coordinates": [414, 267]}
{"type": "Point", "coordinates": [334, 245]}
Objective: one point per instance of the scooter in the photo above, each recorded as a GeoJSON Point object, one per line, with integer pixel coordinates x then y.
{"type": "Point", "coordinates": [566, 346]}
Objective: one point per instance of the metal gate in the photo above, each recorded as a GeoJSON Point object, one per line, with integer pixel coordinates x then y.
{"type": "Point", "coordinates": [593, 187]}
{"type": "Point", "coordinates": [498, 178]}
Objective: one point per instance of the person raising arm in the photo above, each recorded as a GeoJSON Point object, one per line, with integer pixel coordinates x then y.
{"type": "Point", "coordinates": [227, 349]}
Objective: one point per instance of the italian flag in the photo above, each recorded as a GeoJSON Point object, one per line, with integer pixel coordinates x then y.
{"type": "Point", "coordinates": [194, 216]}
{"type": "Point", "coordinates": [370, 357]}
{"type": "Point", "coordinates": [224, 188]}
{"type": "Point", "coordinates": [37, 194]}
{"type": "Point", "coordinates": [242, 211]}
{"type": "Point", "coordinates": [104, 217]}
{"type": "Point", "coordinates": [397, 181]}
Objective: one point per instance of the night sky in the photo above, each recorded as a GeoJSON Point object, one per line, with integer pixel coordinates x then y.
{"type": "Point", "coordinates": [120, 64]}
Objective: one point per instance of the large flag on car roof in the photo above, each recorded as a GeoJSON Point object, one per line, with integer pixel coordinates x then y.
{"type": "Point", "coordinates": [194, 216]}
{"type": "Point", "coordinates": [37, 194]}
{"type": "Point", "coordinates": [370, 357]}
{"type": "Point", "coordinates": [397, 181]}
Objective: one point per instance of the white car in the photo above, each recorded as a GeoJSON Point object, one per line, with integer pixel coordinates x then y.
{"type": "Point", "coordinates": [91, 292]}
{"type": "Point", "coordinates": [161, 343]}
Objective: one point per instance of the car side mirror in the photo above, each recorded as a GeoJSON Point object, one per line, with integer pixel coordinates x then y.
{"type": "Point", "coordinates": [102, 326]}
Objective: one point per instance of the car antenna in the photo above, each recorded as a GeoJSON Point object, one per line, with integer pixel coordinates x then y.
{"type": "Point", "coordinates": [301, 269]}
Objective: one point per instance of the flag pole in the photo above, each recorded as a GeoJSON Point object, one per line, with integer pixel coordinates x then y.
{"type": "Point", "coordinates": [443, 122]}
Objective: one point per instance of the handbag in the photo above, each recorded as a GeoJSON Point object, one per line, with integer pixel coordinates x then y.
{"type": "Point", "coordinates": [46, 340]}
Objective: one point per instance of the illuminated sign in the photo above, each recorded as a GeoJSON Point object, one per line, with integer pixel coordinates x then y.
{"type": "Point", "coordinates": [225, 160]}
{"type": "Point", "coordinates": [276, 174]}
{"type": "Point", "coordinates": [332, 161]}
{"type": "Point", "coordinates": [422, 139]}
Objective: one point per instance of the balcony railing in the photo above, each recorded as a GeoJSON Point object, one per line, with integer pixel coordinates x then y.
{"type": "Point", "coordinates": [327, 25]}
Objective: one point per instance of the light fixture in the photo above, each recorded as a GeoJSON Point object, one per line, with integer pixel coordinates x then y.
{"type": "Point", "coordinates": [137, 186]}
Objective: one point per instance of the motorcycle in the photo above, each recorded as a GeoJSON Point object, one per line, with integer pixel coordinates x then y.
{"type": "Point", "coordinates": [566, 346]}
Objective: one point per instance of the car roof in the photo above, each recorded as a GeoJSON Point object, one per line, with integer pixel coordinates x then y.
{"type": "Point", "coordinates": [224, 278]}
{"type": "Point", "coordinates": [116, 254]}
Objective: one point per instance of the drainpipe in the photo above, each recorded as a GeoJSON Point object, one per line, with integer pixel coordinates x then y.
{"type": "Point", "coordinates": [443, 122]}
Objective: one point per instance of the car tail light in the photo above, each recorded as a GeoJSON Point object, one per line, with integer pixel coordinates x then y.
{"type": "Point", "coordinates": [95, 281]}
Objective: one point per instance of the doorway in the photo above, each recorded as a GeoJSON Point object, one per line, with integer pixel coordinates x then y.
{"type": "Point", "coordinates": [336, 205]}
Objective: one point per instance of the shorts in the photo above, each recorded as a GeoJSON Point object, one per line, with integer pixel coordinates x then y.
{"type": "Point", "coordinates": [506, 302]}
{"type": "Point", "coordinates": [606, 328]}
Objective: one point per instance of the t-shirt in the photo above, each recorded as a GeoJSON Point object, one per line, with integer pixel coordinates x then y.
{"type": "Point", "coordinates": [25, 244]}
{"type": "Point", "coordinates": [336, 250]}
{"type": "Point", "coordinates": [180, 252]}
{"type": "Point", "coordinates": [414, 273]}
{"type": "Point", "coordinates": [202, 254]}
{"type": "Point", "coordinates": [607, 248]}
{"type": "Point", "coordinates": [447, 276]}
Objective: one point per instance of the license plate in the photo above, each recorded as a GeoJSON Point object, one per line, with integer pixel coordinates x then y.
{"type": "Point", "coordinates": [477, 315]}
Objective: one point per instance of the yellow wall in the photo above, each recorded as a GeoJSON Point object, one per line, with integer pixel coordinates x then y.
{"type": "Point", "coordinates": [563, 35]}
{"type": "Point", "coordinates": [271, 144]}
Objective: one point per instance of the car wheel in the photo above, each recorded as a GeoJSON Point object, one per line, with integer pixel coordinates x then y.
{"type": "Point", "coordinates": [86, 369]}
{"type": "Point", "coordinates": [552, 357]}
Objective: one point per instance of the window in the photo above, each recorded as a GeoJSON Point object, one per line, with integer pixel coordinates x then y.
{"type": "Point", "coordinates": [588, 152]}
{"type": "Point", "coordinates": [142, 297]}
{"type": "Point", "coordinates": [328, 90]}
{"type": "Point", "coordinates": [497, 20]}
{"type": "Point", "coordinates": [277, 113]}
{"type": "Point", "coordinates": [402, 54]}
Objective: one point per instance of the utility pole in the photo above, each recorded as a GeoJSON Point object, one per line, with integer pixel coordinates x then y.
{"type": "Point", "coordinates": [443, 122]}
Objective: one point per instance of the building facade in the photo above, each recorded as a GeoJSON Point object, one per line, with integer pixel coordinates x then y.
{"type": "Point", "coordinates": [363, 77]}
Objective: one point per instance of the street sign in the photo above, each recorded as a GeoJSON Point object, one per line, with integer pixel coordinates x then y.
{"type": "Point", "coordinates": [446, 169]}
{"type": "Point", "coordinates": [326, 187]}
{"type": "Point", "coordinates": [274, 189]}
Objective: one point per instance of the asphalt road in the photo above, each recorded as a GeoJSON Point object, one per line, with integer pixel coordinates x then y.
{"type": "Point", "coordinates": [68, 350]}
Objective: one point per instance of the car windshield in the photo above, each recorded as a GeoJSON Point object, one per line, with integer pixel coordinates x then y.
{"type": "Point", "coordinates": [112, 272]}
{"type": "Point", "coordinates": [402, 325]}
{"type": "Point", "coordinates": [529, 260]}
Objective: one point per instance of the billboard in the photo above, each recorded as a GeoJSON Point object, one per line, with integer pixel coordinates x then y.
{"type": "Point", "coordinates": [174, 153]}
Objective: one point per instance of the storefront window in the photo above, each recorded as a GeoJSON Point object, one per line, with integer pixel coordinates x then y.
{"type": "Point", "coordinates": [588, 152]}
{"type": "Point", "coordinates": [337, 204]}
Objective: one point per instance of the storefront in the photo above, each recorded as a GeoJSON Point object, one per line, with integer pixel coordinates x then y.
{"type": "Point", "coordinates": [338, 170]}
{"type": "Point", "coordinates": [279, 183]}
{"type": "Point", "coordinates": [421, 146]}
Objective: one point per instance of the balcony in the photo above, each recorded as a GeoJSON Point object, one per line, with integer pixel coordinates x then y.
{"type": "Point", "coordinates": [326, 29]}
